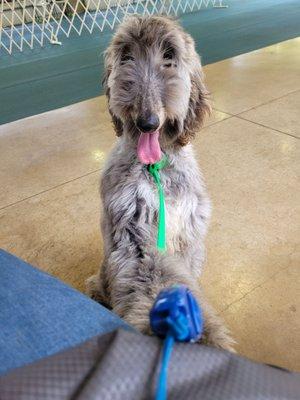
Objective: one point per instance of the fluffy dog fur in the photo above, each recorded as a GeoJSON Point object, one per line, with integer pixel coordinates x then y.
{"type": "Point", "coordinates": [152, 66]}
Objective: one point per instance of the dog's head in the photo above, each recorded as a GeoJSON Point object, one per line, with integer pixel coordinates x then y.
{"type": "Point", "coordinates": [154, 81]}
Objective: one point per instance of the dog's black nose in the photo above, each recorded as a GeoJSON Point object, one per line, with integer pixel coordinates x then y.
{"type": "Point", "coordinates": [148, 124]}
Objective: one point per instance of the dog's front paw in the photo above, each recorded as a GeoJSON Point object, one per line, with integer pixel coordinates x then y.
{"type": "Point", "coordinates": [217, 335]}
{"type": "Point", "coordinates": [140, 320]}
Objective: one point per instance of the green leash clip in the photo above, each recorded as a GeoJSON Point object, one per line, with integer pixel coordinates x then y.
{"type": "Point", "coordinates": [161, 233]}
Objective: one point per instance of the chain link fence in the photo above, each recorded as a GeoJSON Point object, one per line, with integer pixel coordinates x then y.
{"type": "Point", "coordinates": [32, 23]}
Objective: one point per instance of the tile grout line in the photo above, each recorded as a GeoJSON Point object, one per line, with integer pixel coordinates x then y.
{"type": "Point", "coordinates": [79, 177]}
{"type": "Point", "coordinates": [217, 122]}
{"type": "Point", "coordinates": [238, 115]}
{"type": "Point", "coordinates": [270, 101]}
{"type": "Point", "coordinates": [252, 290]}
{"type": "Point", "coordinates": [268, 127]}
{"type": "Point", "coordinates": [259, 105]}
{"type": "Point", "coordinates": [214, 123]}
{"type": "Point", "coordinates": [48, 190]}
{"type": "Point", "coordinates": [252, 122]}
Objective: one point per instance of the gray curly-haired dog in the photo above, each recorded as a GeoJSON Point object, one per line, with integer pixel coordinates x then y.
{"type": "Point", "coordinates": [157, 100]}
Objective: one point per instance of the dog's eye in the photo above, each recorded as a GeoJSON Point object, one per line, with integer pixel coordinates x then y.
{"type": "Point", "coordinates": [168, 51]}
{"type": "Point", "coordinates": [169, 54]}
{"type": "Point", "coordinates": [126, 58]}
{"type": "Point", "coordinates": [127, 85]}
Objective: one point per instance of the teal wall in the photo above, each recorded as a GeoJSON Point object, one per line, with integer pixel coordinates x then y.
{"type": "Point", "coordinates": [55, 76]}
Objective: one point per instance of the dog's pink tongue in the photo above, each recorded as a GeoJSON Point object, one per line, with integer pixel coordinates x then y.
{"type": "Point", "coordinates": [148, 148]}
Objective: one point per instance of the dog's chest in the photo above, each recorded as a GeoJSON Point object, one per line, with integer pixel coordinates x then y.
{"type": "Point", "coordinates": [179, 230]}
{"type": "Point", "coordinates": [181, 205]}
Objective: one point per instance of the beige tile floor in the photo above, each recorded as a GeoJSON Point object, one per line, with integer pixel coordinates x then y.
{"type": "Point", "coordinates": [249, 153]}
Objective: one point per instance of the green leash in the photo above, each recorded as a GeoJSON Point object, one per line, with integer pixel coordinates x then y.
{"type": "Point", "coordinates": [161, 233]}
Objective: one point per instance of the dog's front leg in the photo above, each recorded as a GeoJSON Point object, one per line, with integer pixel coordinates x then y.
{"type": "Point", "coordinates": [215, 332]}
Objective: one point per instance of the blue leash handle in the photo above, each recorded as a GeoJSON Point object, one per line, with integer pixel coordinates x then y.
{"type": "Point", "coordinates": [175, 316]}
{"type": "Point", "coordinates": [162, 389]}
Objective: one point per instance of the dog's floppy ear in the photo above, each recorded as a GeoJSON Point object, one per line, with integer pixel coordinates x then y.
{"type": "Point", "coordinates": [199, 105]}
{"type": "Point", "coordinates": [118, 124]}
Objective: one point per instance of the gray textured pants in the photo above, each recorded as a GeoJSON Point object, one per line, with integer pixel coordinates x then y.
{"type": "Point", "coordinates": [124, 365]}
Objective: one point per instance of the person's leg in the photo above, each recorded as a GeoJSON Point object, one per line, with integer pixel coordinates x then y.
{"type": "Point", "coordinates": [39, 315]}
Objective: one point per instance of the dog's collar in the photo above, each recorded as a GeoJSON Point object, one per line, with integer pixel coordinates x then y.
{"type": "Point", "coordinates": [154, 172]}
